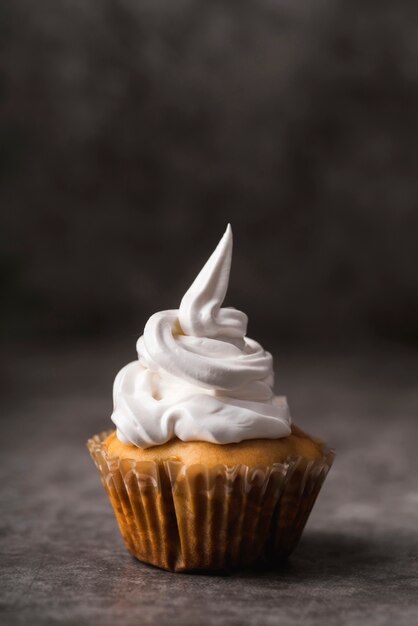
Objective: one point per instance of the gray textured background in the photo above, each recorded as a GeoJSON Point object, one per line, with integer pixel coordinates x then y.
{"type": "Point", "coordinates": [131, 131]}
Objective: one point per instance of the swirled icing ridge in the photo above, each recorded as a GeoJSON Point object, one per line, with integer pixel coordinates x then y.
{"type": "Point", "coordinates": [198, 377]}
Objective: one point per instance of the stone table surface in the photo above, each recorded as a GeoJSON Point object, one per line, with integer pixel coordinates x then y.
{"type": "Point", "coordinates": [63, 561]}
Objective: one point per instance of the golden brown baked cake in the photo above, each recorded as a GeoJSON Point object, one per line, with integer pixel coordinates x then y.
{"type": "Point", "coordinates": [188, 506]}
{"type": "Point", "coordinates": [250, 452]}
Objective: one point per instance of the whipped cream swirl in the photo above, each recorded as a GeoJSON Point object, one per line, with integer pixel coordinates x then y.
{"type": "Point", "coordinates": [198, 377]}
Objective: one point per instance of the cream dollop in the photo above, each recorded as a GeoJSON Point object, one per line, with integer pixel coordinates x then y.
{"type": "Point", "coordinates": [198, 377]}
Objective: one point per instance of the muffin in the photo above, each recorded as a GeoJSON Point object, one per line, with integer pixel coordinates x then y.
{"type": "Point", "coordinates": [205, 470]}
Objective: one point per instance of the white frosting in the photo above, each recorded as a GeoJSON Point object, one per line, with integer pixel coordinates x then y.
{"type": "Point", "coordinates": [198, 377]}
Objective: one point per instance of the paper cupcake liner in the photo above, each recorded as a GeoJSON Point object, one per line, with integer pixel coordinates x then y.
{"type": "Point", "coordinates": [185, 518]}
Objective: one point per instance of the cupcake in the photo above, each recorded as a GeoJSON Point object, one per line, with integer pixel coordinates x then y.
{"type": "Point", "coordinates": [205, 470]}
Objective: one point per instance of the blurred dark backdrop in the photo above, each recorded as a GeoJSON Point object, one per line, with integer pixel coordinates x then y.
{"type": "Point", "coordinates": [131, 131]}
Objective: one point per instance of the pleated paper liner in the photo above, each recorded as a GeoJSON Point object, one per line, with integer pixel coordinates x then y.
{"type": "Point", "coordinates": [184, 518]}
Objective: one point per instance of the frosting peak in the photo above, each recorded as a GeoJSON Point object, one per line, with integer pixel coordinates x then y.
{"type": "Point", "coordinates": [200, 312]}
{"type": "Point", "coordinates": [198, 377]}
